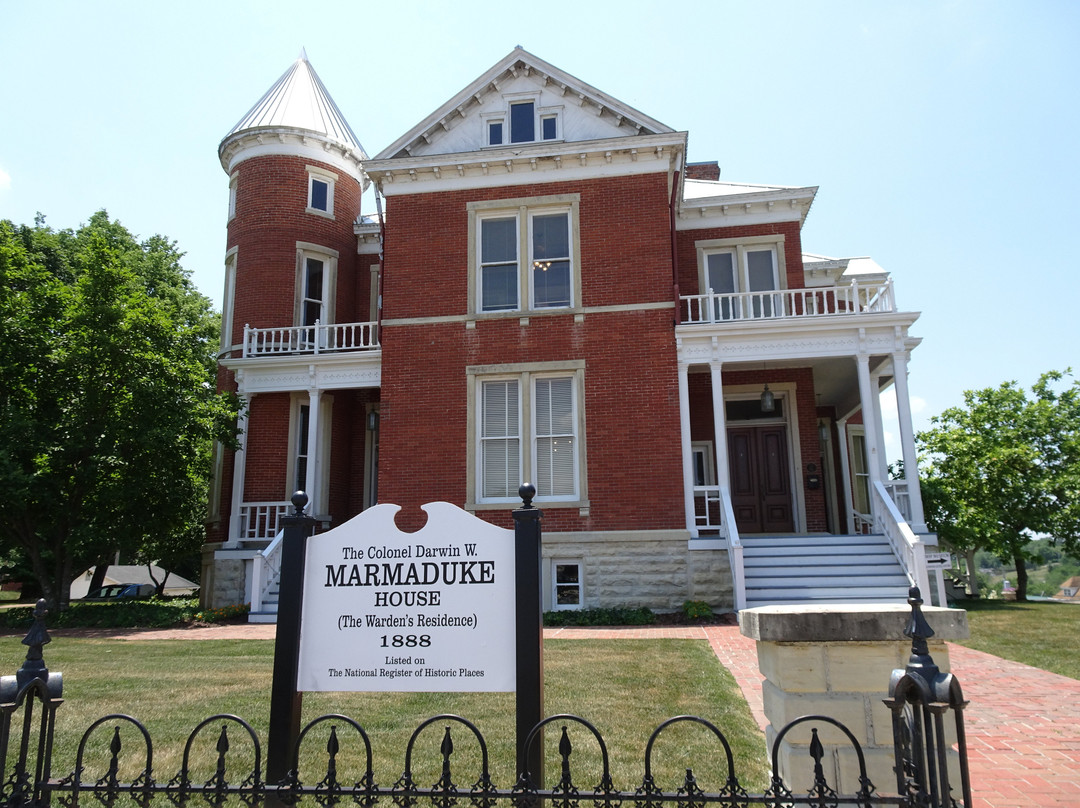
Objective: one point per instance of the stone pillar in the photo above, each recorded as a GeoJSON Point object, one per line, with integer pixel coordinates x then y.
{"type": "Point", "coordinates": [837, 661]}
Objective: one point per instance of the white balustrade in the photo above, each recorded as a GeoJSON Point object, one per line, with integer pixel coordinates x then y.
{"type": "Point", "coordinates": [313, 339]}
{"type": "Point", "coordinates": [907, 547]}
{"type": "Point", "coordinates": [713, 511]}
{"type": "Point", "coordinates": [853, 298]}
{"type": "Point", "coordinates": [259, 521]}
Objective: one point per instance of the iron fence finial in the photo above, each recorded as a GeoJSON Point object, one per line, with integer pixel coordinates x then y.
{"type": "Point", "coordinates": [919, 631]}
{"type": "Point", "coordinates": [34, 665]}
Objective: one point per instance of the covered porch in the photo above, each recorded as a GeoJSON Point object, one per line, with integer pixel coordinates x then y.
{"type": "Point", "coordinates": [783, 435]}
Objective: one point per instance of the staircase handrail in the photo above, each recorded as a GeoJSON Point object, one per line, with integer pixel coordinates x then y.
{"type": "Point", "coordinates": [907, 547]}
{"type": "Point", "coordinates": [266, 572]}
{"type": "Point", "coordinates": [735, 551]}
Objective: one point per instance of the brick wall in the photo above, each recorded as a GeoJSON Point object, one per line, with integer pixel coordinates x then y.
{"type": "Point", "coordinates": [688, 261]}
{"type": "Point", "coordinates": [271, 199]}
{"type": "Point", "coordinates": [631, 391]}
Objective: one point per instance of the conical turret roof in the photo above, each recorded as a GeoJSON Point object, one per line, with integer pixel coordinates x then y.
{"type": "Point", "coordinates": [299, 101]}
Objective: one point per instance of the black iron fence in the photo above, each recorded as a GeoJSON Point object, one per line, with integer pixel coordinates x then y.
{"type": "Point", "coordinates": [922, 701]}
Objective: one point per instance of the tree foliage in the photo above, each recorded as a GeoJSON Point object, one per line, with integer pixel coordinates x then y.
{"type": "Point", "coordinates": [1004, 468]}
{"type": "Point", "coordinates": [107, 410]}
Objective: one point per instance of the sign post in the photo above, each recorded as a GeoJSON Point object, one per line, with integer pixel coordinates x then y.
{"type": "Point", "coordinates": [530, 633]}
{"type": "Point", "coordinates": [285, 698]}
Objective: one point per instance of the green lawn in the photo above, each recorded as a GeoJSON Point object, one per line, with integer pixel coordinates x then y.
{"type": "Point", "coordinates": [1040, 634]}
{"type": "Point", "coordinates": [625, 687]}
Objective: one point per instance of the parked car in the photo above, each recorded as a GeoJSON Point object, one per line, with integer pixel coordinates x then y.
{"type": "Point", "coordinates": [114, 591]}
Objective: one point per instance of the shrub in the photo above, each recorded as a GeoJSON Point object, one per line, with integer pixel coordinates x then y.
{"type": "Point", "coordinates": [696, 610]}
{"type": "Point", "coordinates": [122, 613]}
{"type": "Point", "coordinates": [616, 616]}
{"type": "Point", "coordinates": [220, 615]}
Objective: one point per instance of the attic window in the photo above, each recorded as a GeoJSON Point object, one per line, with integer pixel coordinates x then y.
{"type": "Point", "coordinates": [549, 127]}
{"type": "Point", "coordinates": [495, 132]}
{"type": "Point", "coordinates": [523, 122]}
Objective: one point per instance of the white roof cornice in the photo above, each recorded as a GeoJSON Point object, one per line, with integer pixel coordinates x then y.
{"type": "Point", "coordinates": [745, 204]}
{"type": "Point", "coordinates": [528, 164]}
{"type": "Point", "coordinates": [518, 62]}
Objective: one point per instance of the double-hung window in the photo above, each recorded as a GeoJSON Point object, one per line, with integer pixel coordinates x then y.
{"type": "Point", "coordinates": [743, 275]}
{"type": "Point", "coordinates": [528, 427]}
{"type": "Point", "coordinates": [523, 254]}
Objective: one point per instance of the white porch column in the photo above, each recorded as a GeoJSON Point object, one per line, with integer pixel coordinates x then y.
{"type": "Point", "coordinates": [907, 442]}
{"type": "Point", "coordinates": [879, 422]}
{"type": "Point", "coordinates": [867, 395]}
{"type": "Point", "coordinates": [723, 476]}
{"type": "Point", "coordinates": [314, 459]}
{"type": "Point", "coordinates": [687, 453]}
{"type": "Point", "coordinates": [845, 475]}
{"type": "Point", "coordinates": [239, 470]}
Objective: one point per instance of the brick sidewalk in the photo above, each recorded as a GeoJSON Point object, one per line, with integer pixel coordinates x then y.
{"type": "Point", "coordinates": [1023, 724]}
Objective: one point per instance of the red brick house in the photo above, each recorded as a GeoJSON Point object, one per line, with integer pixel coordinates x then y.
{"type": "Point", "coordinates": [546, 290]}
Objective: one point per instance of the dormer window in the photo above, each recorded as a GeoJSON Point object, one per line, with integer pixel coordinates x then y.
{"type": "Point", "coordinates": [321, 191]}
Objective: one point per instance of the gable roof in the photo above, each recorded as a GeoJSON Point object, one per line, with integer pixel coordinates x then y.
{"type": "Point", "coordinates": [516, 64]}
{"type": "Point", "coordinates": [298, 100]}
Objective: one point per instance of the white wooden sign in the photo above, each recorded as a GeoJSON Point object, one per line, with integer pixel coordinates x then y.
{"type": "Point", "coordinates": [431, 611]}
{"type": "Point", "coordinates": [935, 560]}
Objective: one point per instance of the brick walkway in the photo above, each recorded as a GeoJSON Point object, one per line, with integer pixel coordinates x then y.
{"type": "Point", "coordinates": [1023, 723]}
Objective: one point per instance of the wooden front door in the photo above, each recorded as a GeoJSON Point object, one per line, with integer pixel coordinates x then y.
{"type": "Point", "coordinates": [760, 479]}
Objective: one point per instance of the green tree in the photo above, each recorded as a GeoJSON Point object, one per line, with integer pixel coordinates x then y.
{"type": "Point", "coordinates": [1005, 468]}
{"type": "Point", "coordinates": [107, 411]}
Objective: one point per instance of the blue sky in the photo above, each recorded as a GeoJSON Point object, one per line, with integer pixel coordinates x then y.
{"type": "Point", "coordinates": [943, 135]}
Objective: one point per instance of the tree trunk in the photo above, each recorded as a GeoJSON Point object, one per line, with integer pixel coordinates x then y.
{"type": "Point", "coordinates": [973, 578]}
{"type": "Point", "coordinates": [1021, 578]}
{"type": "Point", "coordinates": [98, 580]}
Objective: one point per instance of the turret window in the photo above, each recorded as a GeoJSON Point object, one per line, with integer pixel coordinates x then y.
{"type": "Point", "coordinates": [321, 191]}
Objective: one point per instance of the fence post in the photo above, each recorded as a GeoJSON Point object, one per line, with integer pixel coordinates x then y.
{"type": "Point", "coordinates": [530, 633]}
{"type": "Point", "coordinates": [920, 698]}
{"type": "Point", "coordinates": [285, 699]}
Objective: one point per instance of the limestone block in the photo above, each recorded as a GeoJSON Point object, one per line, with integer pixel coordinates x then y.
{"type": "Point", "coordinates": [864, 666]}
{"type": "Point", "coordinates": [795, 667]}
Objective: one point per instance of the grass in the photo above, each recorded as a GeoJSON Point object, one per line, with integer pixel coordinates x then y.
{"type": "Point", "coordinates": [1038, 633]}
{"type": "Point", "coordinates": [624, 687]}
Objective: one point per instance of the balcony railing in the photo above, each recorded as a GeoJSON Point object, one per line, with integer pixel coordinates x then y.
{"type": "Point", "coordinates": [854, 298]}
{"type": "Point", "coordinates": [310, 339]}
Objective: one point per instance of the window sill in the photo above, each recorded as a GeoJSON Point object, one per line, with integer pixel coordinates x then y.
{"type": "Point", "coordinates": [324, 214]}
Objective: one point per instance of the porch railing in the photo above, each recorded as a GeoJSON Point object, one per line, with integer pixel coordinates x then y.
{"type": "Point", "coordinates": [907, 547]}
{"type": "Point", "coordinates": [713, 511]}
{"type": "Point", "coordinates": [310, 339]}
{"type": "Point", "coordinates": [899, 492]}
{"type": "Point", "coordinates": [266, 573]}
{"type": "Point", "coordinates": [853, 298]}
{"type": "Point", "coordinates": [259, 520]}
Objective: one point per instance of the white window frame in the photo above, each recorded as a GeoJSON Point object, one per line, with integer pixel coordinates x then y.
{"type": "Point", "coordinates": [704, 448]}
{"type": "Point", "coordinates": [540, 114]}
{"type": "Point", "coordinates": [739, 248]}
{"type": "Point", "coordinates": [228, 300]}
{"type": "Point", "coordinates": [233, 183]}
{"type": "Point", "coordinates": [330, 179]}
{"type": "Point", "coordinates": [318, 457]}
{"type": "Point", "coordinates": [524, 211]}
{"type": "Point", "coordinates": [304, 252]}
{"type": "Point", "coordinates": [555, 584]}
{"type": "Point", "coordinates": [525, 376]}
